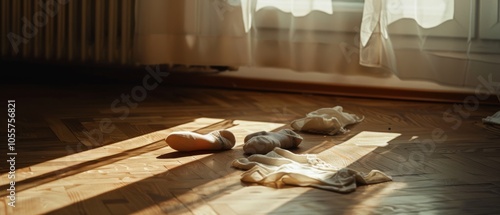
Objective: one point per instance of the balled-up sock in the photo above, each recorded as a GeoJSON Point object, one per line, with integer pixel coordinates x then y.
{"type": "Point", "coordinates": [191, 141]}
{"type": "Point", "coordinates": [328, 121]}
{"type": "Point", "coordinates": [263, 142]}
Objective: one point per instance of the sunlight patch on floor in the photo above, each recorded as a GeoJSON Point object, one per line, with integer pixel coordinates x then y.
{"type": "Point", "coordinates": [259, 199]}
{"type": "Point", "coordinates": [76, 156]}
{"type": "Point", "coordinates": [350, 151]}
{"type": "Point", "coordinates": [99, 170]}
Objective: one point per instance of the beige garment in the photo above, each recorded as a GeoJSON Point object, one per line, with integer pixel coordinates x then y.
{"type": "Point", "coordinates": [326, 121]}
{"type": "Point", "coordinates": [494, 119]}
{"type": "Point", "coordinates": [281, 167]}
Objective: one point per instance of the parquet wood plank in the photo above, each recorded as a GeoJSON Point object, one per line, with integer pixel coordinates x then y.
{"type": "Point", "coordinates": [60, 129]}
{"type": "Point", "coordinates": [453, 170]}
{"type": "Point", "coordinates": [473, 167]}
{"type": "Point", "coordinates": [193, 202]}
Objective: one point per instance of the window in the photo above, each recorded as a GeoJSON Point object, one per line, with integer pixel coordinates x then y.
{"type": "Point", "coordinates": [325, 15]}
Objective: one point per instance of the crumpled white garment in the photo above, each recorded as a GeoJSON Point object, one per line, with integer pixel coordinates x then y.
{"type": "Point", "coordinates": [281, 167]}
{"type": "Point", "coordinates": [328, 121]}
{"type": "Point", "coordinates": [493, 119]}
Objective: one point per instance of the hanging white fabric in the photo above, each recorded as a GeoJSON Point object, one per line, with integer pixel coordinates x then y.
{"type": "Point", "coordinates": [381, 13]}
{"type": "Point", "coordinates": [433, 40]}
{"type": "Point", "coordinates": [297, 8]}
{"type": "Point", "coordinates": [224, 32]}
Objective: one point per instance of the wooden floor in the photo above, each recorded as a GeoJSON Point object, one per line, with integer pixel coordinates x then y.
{"type": "Point", "coordinates": [84, 149]}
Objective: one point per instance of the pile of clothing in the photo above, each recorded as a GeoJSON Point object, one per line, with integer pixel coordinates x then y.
{"type": "Point", "coordinates": [275, 166]}
{"type": "Point", "coordinates": [270, 162]}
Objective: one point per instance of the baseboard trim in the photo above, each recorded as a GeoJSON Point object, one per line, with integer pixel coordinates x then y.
{"type": "Point", "coordinates": [29, 72]}
{"type": "Point", "coordinates": [243, 83]}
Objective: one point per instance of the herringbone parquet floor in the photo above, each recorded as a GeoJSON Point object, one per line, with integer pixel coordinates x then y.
{"type": "Point", "coordinates": [99, 149]}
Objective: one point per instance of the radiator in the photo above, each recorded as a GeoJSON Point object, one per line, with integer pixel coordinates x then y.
{"type": "Point", "coordinates": [68, 31]}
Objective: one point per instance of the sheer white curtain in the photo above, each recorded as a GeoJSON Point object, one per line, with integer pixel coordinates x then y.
{"type": "Point", "coordinates": [292, 34]}
{"type": "Point", "coordinates": [190, 32]}
{"type": "Point", "coordinates": [433, 40]}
